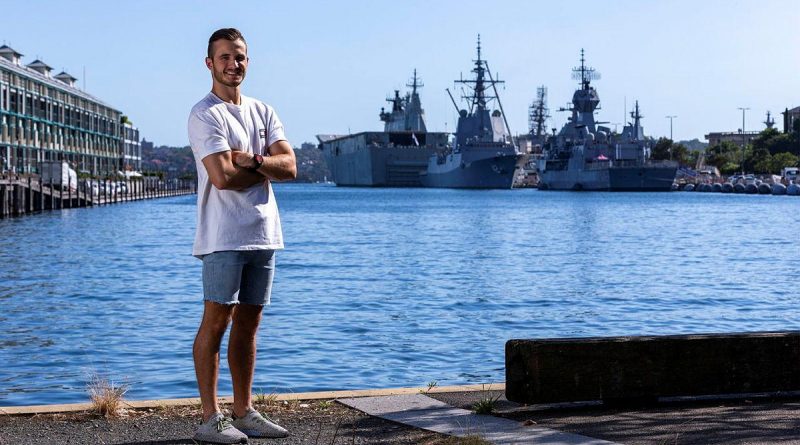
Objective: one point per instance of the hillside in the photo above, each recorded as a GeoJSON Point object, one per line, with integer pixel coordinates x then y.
{"type": "Point", "coordinates": [179, 162]}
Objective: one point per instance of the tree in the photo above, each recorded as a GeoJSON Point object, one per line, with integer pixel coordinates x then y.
{"type": "Point", "coordinates": [681, 154]}
{"type": "Point", "coordinates": [667, 149]}
{"type": "Point", "coordinates": [693, 157]}
{"type": "Point", "coordinates": [758, 159]}
{"type": "Point", "coordinates": [660, 150]}
{"type": "Point", "coordinates": [781, 160]}
{"type": "Point", "coordinates": [762, 164]}
{"type": "Point", "coordinates": [726, 156]}
{"type": "Point", "coordinates": [776, 142]}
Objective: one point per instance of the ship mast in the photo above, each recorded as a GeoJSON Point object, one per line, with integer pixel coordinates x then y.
{"type": "Point", "coordinates": [415, 83]}
{"type": "Point", "coordinates": [415, 120]}
{"type": "Point", "coordinates": [538, 113]}
{"type": "Point", "coordinates": [637, 117]}
{"type": "Point", "coordinates": [770, 122]}
{"type": "Point", "coordinates": [479, 97]}
{"type": "Point", "coordinates": [584, 73]}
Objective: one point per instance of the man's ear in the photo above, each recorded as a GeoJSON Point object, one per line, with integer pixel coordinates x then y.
{"type": "Point", "coordinates": [208, 62]}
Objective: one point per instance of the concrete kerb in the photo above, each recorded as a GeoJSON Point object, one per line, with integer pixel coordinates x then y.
{"type": "Point", "coordinates": [194, 401]}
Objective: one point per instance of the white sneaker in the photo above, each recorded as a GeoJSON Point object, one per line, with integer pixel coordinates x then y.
{"type": "Point", "coordinates": [254, 424]}
{"type": "Point", "coordinates": [218, 430]}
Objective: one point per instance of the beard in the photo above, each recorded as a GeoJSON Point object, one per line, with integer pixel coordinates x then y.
{"type": "Point", "coordinates": [220, 77]}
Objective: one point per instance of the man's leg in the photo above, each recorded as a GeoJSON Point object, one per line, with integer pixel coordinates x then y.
{"type": "Point", "coordinates": [242, 355]}
{"type": "Point", "coordinates": [216, 317]}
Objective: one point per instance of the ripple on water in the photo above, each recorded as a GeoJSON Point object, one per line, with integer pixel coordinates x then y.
{"type": "Point", "coordinates": [383, 288]}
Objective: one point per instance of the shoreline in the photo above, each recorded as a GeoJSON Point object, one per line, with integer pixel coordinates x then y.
{"type": "Point", "coordinates": [228, 399]}
{"type": "Point", "coordinates": [745, 420]}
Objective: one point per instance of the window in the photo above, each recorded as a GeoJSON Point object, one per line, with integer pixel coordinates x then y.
{"type": "Point", "coordinates": [14, 102]}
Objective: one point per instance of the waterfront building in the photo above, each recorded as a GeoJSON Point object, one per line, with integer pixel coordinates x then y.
{"type": "Point", "coordinates": [790, 116]}
{"type": "Point", "coordinates": [131, 147]}
{"type": "Point", "coordinates": [715, 138]}
{"type": "Point", "coordinates": [45, 117]}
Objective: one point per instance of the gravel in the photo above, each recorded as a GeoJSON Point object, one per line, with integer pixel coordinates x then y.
{"type": "Point", "coordinates": [312, 422]}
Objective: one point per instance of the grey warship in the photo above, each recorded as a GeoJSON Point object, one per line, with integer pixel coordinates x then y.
{"type": "Point", "coordinates": [586, 156]}
{"type": "Point", "coordinates": [395, 157]}
{"type": "Point", "coordinates": [483, 155]}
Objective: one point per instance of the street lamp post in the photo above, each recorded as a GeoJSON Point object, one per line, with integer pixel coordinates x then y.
{"type": "Point", "coordinates": [744, 137]}
{"type": "Point", "coordinates": [671, 141]}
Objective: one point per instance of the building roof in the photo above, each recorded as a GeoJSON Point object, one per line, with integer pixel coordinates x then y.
{"type": "Point", "coordinates": [65, 76]}
{"type": "Point", "coordinates": [794, 110]}
{"type": "Point", "coordinates": [5, 49]}
{"type": "Point", "coordinates": [39, 64]}
{"type": "Point", "coordinates": [58, 84]}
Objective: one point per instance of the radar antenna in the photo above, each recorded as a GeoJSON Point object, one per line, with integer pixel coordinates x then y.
{"type": "Point", "coordinates": [584, 73]}
{"type": "Point", "coordinates": [415, 83]}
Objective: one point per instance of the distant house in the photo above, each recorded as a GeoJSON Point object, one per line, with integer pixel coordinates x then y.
{"type": "Point", "coordinates": [789, 118]}
{"type": "Point", "coordinates": [736, 137]}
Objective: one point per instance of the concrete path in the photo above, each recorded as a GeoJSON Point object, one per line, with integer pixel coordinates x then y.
{"type": "Point", "coordinates": [421, 411]}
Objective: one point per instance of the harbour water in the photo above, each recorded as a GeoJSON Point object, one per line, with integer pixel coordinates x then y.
{"type": "Point", "coordinates": [387, 287]}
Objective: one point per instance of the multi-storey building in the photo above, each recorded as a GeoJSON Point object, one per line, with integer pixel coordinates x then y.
{"type": "Point", "coordinates": [131, 147]}
{"type": "Point", "coordinates": [47, 118]}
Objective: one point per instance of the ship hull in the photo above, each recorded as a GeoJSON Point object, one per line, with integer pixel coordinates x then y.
{"type": "Point", "coordinates": [380, 167]}
{"type": "Point", "coordinates": [617, 179]}
{"type": "Point", "coordinates": [497, 172]}
{"type": "Point", "coordinates": [376, 159]}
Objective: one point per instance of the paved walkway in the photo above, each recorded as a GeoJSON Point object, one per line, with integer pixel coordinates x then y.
{"type": "Point", "coordinates": [421, 411]}
{"type": "Point", "coordinates": [742, 420]}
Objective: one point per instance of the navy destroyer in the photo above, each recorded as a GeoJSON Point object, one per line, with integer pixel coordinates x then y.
{"type": "Point", "coordinates": [395, 157]}
{"type": "Point", "coordinates": [483, 155]}
{"type": "Point", "coordinates": [587, 156]}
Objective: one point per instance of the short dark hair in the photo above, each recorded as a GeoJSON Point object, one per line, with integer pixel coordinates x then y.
{"type": "Point", "coordinates": [231, 34]}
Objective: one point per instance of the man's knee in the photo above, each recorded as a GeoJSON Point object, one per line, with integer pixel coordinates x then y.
{"type": "Point", "coordinates": [246, 318]}
{"type": "Point", "coordinates": [217, 317]}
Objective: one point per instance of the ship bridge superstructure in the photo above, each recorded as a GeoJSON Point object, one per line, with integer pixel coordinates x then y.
{"type": "Point", "coordinates": [407, 113]}
{"type": "Point", "coordinates": [585, 101]}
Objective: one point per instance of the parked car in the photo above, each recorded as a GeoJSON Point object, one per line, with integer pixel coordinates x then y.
{"type": "Point", "coordinates": [91, 187]}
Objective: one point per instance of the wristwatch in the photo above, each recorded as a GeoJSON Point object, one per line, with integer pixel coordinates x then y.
{"type": "Point", "coordinates": [258, 160]}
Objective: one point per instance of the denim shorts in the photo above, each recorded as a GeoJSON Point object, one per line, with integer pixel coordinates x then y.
{"type": "Point", "coordinates": [238, 276]}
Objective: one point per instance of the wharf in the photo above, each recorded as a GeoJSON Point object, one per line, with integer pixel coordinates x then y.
{"type": "Point", "coordinates": [748, 419]}
{"type": "Point", "coordinates": [21, 195]}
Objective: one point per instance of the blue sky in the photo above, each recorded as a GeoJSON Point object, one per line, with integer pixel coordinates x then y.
{"type": "Point", "coordinates": [327, 67]}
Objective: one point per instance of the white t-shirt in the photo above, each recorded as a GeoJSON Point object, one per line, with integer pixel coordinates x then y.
{"type": "Point", "coordinates": [230, 219]}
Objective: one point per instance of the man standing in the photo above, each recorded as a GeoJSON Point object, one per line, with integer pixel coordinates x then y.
{"type": "Point", "coordinates": [239, 147]}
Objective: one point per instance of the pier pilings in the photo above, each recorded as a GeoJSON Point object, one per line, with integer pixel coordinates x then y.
{"type": "Point", "coordinates": [22, 195]}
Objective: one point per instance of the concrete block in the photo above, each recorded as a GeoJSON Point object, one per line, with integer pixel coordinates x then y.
{"type": "Point", "coordinates": [643, 368]}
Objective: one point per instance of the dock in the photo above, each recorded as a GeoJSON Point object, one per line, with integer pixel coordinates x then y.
{"type": "Point", "coordinates": [26, 194]}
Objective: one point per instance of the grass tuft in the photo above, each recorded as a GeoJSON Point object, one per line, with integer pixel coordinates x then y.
{"type": "Point", "coordinates": [267, 400]}
{"type": "Point", "coordinates": [432, 384]}
{"type": "Point", "coordinates": [486, 405]}
{"type": "Point", "coordinates": [107, 397]}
